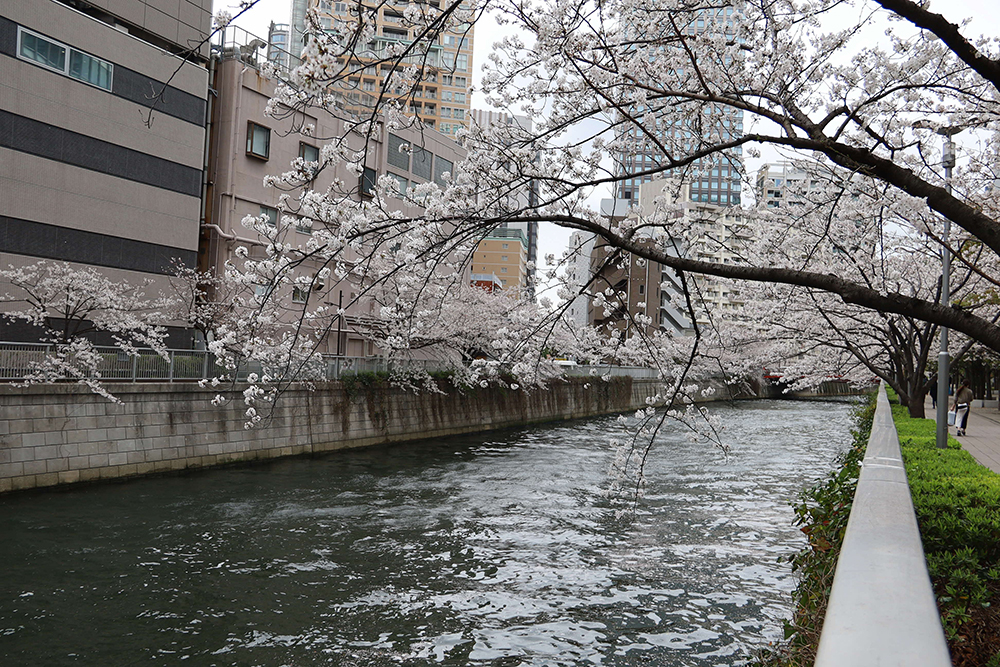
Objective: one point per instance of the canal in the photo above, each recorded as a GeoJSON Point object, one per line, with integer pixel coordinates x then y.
{"type": "Point", "coordinates": [497, 549]}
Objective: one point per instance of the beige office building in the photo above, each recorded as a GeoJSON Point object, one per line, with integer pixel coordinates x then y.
{"type": "Point", "coordinates": [102, 135]}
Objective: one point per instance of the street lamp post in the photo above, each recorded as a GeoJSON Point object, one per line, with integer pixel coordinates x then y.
{"type": "Point", "coordinates": [948, 162]}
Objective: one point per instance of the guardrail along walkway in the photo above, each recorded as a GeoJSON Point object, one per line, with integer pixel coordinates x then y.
{"type": "Point", "coordinates": [882, 609]}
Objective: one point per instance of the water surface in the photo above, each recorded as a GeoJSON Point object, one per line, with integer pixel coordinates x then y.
{"type": "Point", "coordinates": [497, 549]}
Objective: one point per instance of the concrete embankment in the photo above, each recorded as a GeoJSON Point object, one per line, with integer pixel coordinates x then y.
{"type": "Point", "coordinates": [63, 434]}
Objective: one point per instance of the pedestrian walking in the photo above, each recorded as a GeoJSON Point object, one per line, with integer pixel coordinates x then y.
{"type": "Point", "coordinates": [962, 406]}
{"type": "Point", "coordinates": [932, 389]}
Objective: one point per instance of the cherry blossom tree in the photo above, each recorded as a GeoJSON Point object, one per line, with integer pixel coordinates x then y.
{"type": "Point", "coordinates": [601, 80]}
{"type": "Point", "coordinates": [73, 304]}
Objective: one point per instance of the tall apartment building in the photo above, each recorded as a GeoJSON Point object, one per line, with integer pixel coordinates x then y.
{"type": "Point", "coordinates": [715, 179]}
{"type": "Point", "coordinates": [442, 98]}
{"type": "Point", "coordinates": [581, 250]}
{"type": "Point", "coordinates": [83, 177]}
{"type": "Point", "coordinates": [654, 290]}
{"type": "Point", "coordinates": [278, 52]}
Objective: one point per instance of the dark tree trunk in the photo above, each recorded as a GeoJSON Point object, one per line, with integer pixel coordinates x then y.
{"type": "Point", "coordinates": [916, 404]}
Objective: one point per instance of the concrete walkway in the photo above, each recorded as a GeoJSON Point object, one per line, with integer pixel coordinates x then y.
{"type": "Point", "coordinates": [983, 439]}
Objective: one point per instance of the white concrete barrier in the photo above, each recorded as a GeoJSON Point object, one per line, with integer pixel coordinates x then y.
{"type": "Point", "coordinates": [882, 609]}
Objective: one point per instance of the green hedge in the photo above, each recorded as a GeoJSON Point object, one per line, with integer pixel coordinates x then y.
{"type": "Point", "coordinates": [957, 502]}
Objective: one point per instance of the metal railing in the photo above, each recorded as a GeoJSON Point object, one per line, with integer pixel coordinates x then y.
{"type": "Point", "coordinates": [18, 359]}
{"type": "Point", "coordinates": [637, 372]}
{"type": "Point", "coordinates": [882, 609]}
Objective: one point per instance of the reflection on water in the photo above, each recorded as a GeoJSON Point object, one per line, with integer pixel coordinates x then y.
{"type": "Point", "coordinates": [494, 550]}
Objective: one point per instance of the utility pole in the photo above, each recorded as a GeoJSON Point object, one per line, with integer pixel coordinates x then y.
{"type": "Point", "coordinates": [948, 162]}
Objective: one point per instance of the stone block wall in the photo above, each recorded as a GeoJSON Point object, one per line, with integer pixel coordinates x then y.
{"type": "Point", "coordinates": [63, 434]}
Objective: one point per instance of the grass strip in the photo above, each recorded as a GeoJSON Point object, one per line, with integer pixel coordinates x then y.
{"type": "Point", "coordinates": [957, 502]}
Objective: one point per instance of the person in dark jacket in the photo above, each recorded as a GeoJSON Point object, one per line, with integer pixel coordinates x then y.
{"type": "Point", "coordinates": [962, 406]}
{"type": "Point", "coordinates": [932, 389]}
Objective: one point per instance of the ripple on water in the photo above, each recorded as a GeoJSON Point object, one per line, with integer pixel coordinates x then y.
{"type": "Point", "coordinates": [491, 550]}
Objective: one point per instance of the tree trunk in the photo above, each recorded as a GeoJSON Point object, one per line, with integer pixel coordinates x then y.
{"type": "Point", "coordinates": [916, 404]}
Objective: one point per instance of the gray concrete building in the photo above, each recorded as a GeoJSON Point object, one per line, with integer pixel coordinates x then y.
{"type": "Point", "coordinates": [102, 134]}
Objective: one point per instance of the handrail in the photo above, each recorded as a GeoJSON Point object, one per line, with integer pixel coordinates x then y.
{"type": "Point", "coordinates": [882, 609]}
{"type": "Point", "coordinates": [17, 359]}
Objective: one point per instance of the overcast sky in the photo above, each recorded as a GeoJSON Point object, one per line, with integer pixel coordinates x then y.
{"type": "Point", "coordinates": [551, 238]}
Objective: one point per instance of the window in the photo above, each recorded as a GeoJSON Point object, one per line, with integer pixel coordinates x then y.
{"type": "Point", "coordinates": [397, 157]}
{"type": "Point", "coordinates": [441, 167]}
{"type": "Point", "coordinates": [462, 62]}
{"type": "Point", "coordinates": [446, 112]}
{"type": "Point", "coordinates": [271, 213]}
{"type": "Point", "coordinates": [299, 295]}
{"type": "Point", "coordinates": [504, 258]}
{"type": "Point", "coordinates": [64, 59]}
{"type": "Point", "coordinates": [401, 183]}
{"type": "Point", "coordinates": [458, 113]}
{"type": "Point", "coordinates": [368, 85]}
{"type": "Point", "coordinates": [303, 226]}
{"type": "Point", "coordinates": [42, 51]}
{"type": "Point", "coordinates": [460, 97]}
{"type": "Point", "coordinates": [446, 79]}
{"type": "Point", "coordinates": [89, 69]}
{"type": "Point", "coordinates": [258, 140]}
{"type": "Point", "coordinates": [503, 269]}
{"type": "Point", "coordinates": [368, 179]}
{"type": "Point", "coordinates": [308, 152]}
{"type": "Point", "coordinates": [460, 81]}
{"type": "Point", "coordinates": [505, 246]}
{"type": "Point", "coordinates": [421, 162]}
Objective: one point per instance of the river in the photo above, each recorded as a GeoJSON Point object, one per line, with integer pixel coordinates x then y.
{"type": "Point", "coordinates": [498, 549]}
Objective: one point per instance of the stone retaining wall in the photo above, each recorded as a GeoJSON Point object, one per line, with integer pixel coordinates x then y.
{"type": "Point", "coordinates": [63, 434]}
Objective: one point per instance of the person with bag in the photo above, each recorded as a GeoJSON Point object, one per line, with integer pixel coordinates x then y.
{"type": "Point", "coordinates": [962, 405]}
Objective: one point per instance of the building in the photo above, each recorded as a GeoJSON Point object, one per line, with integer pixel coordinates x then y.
{"type": "Point", "coordinates": [102, 136]}
{"type": "Point", "coordinates": [578, 275]}
{"type": "Point", "coordinates": [504, 253]}
{"type": "Point", "coordinates": [496, 246]}
{"type": "Point", "coordinates": [278, 45]}
{"type": "Point", "coordinates": [442, 98]}
{"type": "Point", "coordinates": [638, 286]}
{"type": "Point", "coordinates": [716, 179]}
{"type": "Point", "coordinates": [248, 145]}
{"type": "Point", "coordinates": [782, 184]}
{"type": "Point", "coordinates": [715, 235]}
{"type": "Point", "coordinates": [642, 287]}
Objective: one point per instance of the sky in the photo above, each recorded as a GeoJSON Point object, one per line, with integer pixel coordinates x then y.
{"type": "Point", "coordinates": [554, 239]}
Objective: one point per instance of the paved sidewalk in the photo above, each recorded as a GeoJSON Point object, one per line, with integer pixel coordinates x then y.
{"type": "Point", "coordinates": [983, 439]}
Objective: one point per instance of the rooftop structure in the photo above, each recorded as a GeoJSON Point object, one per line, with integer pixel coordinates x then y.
{"type": "Point", "coordinates": [782, 184]}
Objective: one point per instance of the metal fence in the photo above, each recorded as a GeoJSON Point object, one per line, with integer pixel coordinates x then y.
{"type": "Point", "coordinates": [18, 359]}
